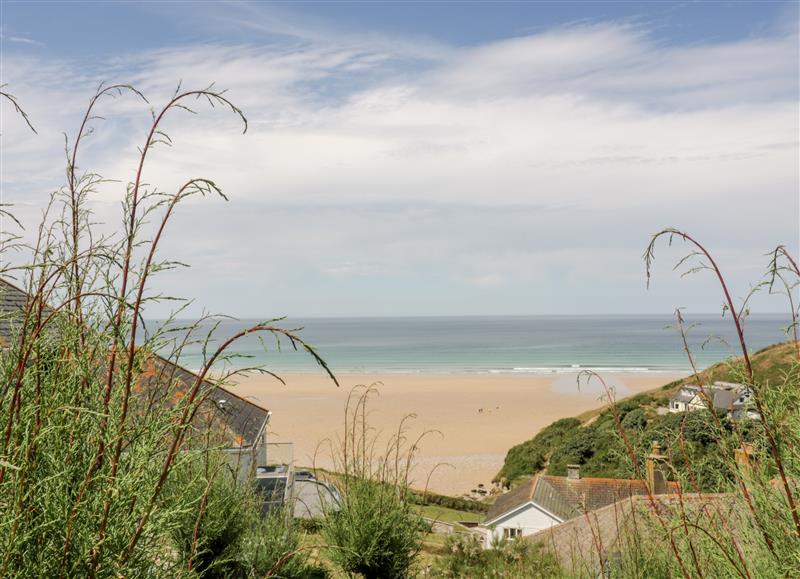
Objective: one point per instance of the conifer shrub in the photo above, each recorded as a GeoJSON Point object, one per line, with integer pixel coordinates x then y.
{"type": "Point", "coordinates": [374, 532]}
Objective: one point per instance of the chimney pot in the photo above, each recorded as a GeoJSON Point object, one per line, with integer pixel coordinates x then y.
{"type": "Point", "coordinates": [656, 475]}
{"type": "Point", "coordinates": [573, 472]}
{"type": "Point", "coordinates": [744, 456]}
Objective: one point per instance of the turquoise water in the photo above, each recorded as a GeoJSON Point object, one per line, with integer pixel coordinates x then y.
{"type": "Point", "coordinates": [516, 345]}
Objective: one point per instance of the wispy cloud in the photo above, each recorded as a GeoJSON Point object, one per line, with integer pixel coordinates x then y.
{"type": "Point", "coordinates": [515, 167]}
{"type": "Point", "coordinates": [19, 39]}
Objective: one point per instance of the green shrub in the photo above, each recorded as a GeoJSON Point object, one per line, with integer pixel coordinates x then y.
{"type": "Point", "coordinates": [375, 530]}
{"type": "Point", "coordinates": [273, 548]}
{"type": "Point", "coordinates": [532, 456]}
{"type": "Point", "coordinates": [224, 533]}
{"type": "Point", "coordinates": [375, 534]}
{"type": "Point", "coordinates": [93, 432]}
{"type": "Point", "coordinates": [455, 503]}
{"type": "Point", "coordinates": [635, 420]}
{"type": "Point", "coordinates": [464, 557]}
{"type": "Point", "coordinates": [209, 535]}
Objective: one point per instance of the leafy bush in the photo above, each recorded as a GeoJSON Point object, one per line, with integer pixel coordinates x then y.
{"type": "Point", "coordinates": [464, 557]}
{"type": "Point", "coordinates": [635, 420]}
{"type": "Point", "coordinates": [92, 431]}
{"type": "Point", "coordinates": [375, 534]}
{"type": "Point", "coordinates": [209, 535]}
{"type": "Point", "coordinates": [532, 456]}
{"type": "Point", "coordinates": [375, 531]}
{"type": "Point", "coordinates": [455, 503]}
{"type": "Point", "coordinates": [273, 548]}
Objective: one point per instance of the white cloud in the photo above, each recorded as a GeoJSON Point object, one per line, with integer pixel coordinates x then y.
{"type": "Point", "coordinates": [496, 167]}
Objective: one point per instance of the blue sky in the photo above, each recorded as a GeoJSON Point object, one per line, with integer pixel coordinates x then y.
{"type": "Point", "coordinates": [126, 26]}
{"type": "Point", "coordinates": [430, 158]}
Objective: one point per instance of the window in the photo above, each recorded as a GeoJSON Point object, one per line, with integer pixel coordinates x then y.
{"type": "Point", "coordinates": [512, 533]}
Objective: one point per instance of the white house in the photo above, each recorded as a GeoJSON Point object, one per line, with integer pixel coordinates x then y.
{"type": "Point", "coordinates": [735, 399]}
{"type": "Point", "coordinates": [546, 501]}
{"type": "Point", "coordinates": [681, 401]}
{"type": "Point", "coordinates": [516, 514]}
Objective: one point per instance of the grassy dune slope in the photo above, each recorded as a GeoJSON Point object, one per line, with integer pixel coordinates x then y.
{"type": "Point", "coordinates": [769, 365]}
{"type": "Point", "coordinates": [591, 439]}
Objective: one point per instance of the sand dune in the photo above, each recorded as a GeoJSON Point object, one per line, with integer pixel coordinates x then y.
{"type": "Point", "coordinates": [479, 417]}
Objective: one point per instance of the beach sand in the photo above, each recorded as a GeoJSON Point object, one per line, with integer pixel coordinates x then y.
{"type": "Point", "coordinates": [479, 416]}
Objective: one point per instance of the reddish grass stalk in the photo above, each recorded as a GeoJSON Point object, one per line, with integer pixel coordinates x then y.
{"type": "Point", "coordinates": [175, 102]}
{"type": "Point", "coordinates": [74, 196]}
{"type": "Point", "coordinates": [597, 542]}
{"type": "Point", "coordinates": [718, 423]}
{"type": "Point", "coordinates": [736, 315]}
{"type": "Point", "coordinates": [695, 560]}
{"type": "Point", "coordinates": [193, 403]}
{"type": "Point", "coordinates": [774, 270]}
{"type": "Point", "coordinates": [196, 531]}
{"type": "Point", "coordinates": [632, 455]}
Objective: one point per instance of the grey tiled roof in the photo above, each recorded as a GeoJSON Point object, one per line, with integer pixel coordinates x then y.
{"type": "Point", "coordinates": [721, 394]}
{"type": "Point", "coordinates": [723, 399]}
{"type": "Point", "coordinates": [241, 419]}
{"type": "Point", "coordinates": [566, 498]}
{"type": "Point", "coordinates": [511, 500]}
{"type": "Point", "coordinates": [580, 542]}
{"type": "Point", "coordinates": [683, 398]}
{"type": "Point", "coordinates": [12, 306]}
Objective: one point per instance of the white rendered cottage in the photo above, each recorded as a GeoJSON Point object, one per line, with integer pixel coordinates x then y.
{"type": "Point", "coordinates": [546, 501]}
{"type": "Point", "coordinates": [735, 399]}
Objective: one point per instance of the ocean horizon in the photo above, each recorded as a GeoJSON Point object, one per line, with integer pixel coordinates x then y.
{"type": "Point", "coordinates": [536, 344]}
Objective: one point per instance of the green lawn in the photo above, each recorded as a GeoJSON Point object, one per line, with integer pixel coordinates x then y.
{"type": "Point", "coordinates": [446, 515]}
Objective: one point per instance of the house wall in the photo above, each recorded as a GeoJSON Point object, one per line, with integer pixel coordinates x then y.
{"type": "Point", "coordinates": [677, 406]}
{"type": "Point", "coordinates": [529, 519]}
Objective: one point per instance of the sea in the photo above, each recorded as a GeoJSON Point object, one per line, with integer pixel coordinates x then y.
{"type": "Point", "coordinates": [483, 344]}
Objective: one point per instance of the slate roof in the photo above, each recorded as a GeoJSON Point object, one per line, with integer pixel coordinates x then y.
{"type": "Point", "coordinates": [512, 500]}
{"type": "Point", "coordinates": [12, 305]}
{"type": "Point", "coordinates": [687, 397]}
{"type": "Point", "coordinates": [242, 421]}
{"type": "Point", "coordinates": [612, 528]}
{"type": "Point", "coordinates": [723, 399]}
{"type": "Point", "coordinates": [722, 394]}
{"type": "Point", "coordinates": [567, 498]}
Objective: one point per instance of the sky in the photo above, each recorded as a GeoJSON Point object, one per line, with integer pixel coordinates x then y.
{"type": "Point", "coordinates": [423, 158]}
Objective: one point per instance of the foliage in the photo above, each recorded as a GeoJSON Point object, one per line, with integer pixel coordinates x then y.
{"type": "Point", "coordinates": [465, 557]}
{"type": "Point", "coordinates": [428, 498]}
{"type": "Point", "coordinates": [223, 532]}
{"type": "Point", "coordinates": [273, 549]}
{"type": "Point", "coordinates": [751, 527]}
{"type": "Point", "coordinates": [375, 531]}
{"type": "Point", "coordinates": [599, 450]}
{"type": "Point", "coordinates": [209, 534]}
{"type": "Point", "coordinates": [87, 454]}
{"type": "Point", "coordinates": [532, 456]}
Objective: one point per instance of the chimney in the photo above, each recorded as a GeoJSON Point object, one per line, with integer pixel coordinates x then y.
{"type": "Point", "coordinates": [573, 472]}
{"type": "Point", "coordinates": [656, 477]}
{"type": "Point", "coordinates": [744, 456]}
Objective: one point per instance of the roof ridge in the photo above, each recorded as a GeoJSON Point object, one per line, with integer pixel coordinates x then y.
{"type": "Point", "coordinates": [534, 483]}
{"type": "Point", "coordinates": [14, 287]}
{"type": "Point", "coordinates": [595, 479]}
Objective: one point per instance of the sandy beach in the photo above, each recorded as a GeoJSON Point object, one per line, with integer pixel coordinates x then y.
{"type": "Point", "coordinates": [479, 416]}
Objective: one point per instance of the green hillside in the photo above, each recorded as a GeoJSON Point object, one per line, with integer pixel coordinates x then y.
{"type": "Point", "coordinates": [592, 439]}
